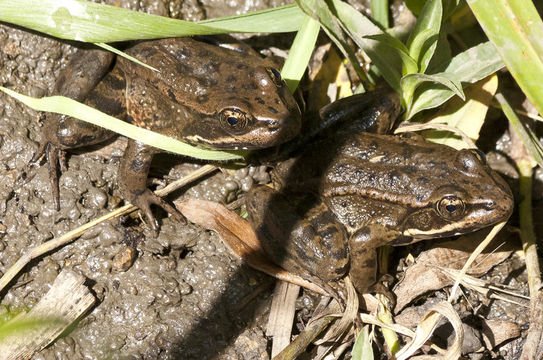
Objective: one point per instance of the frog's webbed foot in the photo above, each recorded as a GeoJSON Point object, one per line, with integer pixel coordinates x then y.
{"type": "Point", "coordinates": [54, 157]}
{"type": "Point", "coordinates": [133, 173]}
{"type": "Point", "coordinates": [148, 198]}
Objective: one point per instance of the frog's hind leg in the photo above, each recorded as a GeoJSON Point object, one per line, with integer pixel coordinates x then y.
{"type": "Point", "coordinates": [78, 81]}
{"type": "Point", "coordinates": [301, 235]}
{"type": "Point", "coordinates": [62, 133]}
{"type": "Point", "coordinates": [363, 246]}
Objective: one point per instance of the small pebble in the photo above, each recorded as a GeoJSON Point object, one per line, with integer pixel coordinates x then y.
{"type": "Point", "coordinates": [124, 259]}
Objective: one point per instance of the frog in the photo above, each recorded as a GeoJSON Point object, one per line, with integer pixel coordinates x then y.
{"type": "Point", "coordinates": [358, 187]}
{"type": "Point", "coordinates": [217, 97]}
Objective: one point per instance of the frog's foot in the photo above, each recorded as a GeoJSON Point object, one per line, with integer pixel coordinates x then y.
{"type": "Point", "coordinates": [55, 157]}
{"type": "Point", "coordinates": [148, 198]}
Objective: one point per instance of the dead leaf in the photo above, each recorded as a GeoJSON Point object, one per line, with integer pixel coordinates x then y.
{"type": "Point", "coordinates": [496, 332]}
{"type": "Point", "coordinates": [424, 275]}
{"type": "Point", "coordinates": [468, 115]}
{"type": "Point", "coordinates": [238, 234]}
{"type": "Point", "coordinates": [427, 326]}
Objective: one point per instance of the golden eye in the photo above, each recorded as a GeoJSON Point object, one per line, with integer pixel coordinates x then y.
{"type": "Point", "coordinates": [275, 75]}
{"type": "Point", "coordinates": [479, 155]}
{"type": "Point", "coordinates": [451, 207]}
{"type": "Point", "coordinates": [234, 118]}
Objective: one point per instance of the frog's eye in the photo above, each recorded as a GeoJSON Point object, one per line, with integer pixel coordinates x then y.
{"type": "Point", "coordinates": [450, 207]}
{"type": "Point", "coordinates": [275, 75]}
{"type": "Point", "coordinates": [233, 118]}
{"type": "Point", "coordinates": [479, 155]}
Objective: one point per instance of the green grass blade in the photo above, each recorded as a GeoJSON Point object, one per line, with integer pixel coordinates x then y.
{"type": "Point", "coordinates": [469, 66]}
{"type": "Point", "coordinates": [515, 28]}
{"type": "Point", "coordinates": [411, 82]}
{"type": "Point", "coordinates": [91, 22]}
{"type": "Point", "coordinates": [60, 104]}
{"type": "Point", "coordinates": [423, 40]}
{"type": "Point", "coordinates": [379, 12]}
{"type": "Point", "coordinates": [300, 52]}
{"type": "Point", "coordinates": [280, 19]}
{"type": "Point", "coordinates": [409, 64]}
{"type": "Point", "coordinates": [362, 349]}
{"type": "Point", "coordinates": [125, 55]}
{"type": "Point", "coordinates": [325, 14]}
{"type": "Point", "coordinates": [359, 27]}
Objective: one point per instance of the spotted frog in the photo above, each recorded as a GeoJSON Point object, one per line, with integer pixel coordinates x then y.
{"type": "Point", "coordinates": [346, 194]}
{"type": "Point", "coordinates": [203, 94]}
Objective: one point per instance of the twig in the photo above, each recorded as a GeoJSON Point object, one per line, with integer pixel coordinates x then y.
{"type": "Point", "coordinates": [473, 256]}
{"type": "Point", "coordinates": [73, 234]}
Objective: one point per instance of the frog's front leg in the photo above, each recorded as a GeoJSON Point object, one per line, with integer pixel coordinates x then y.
{"type": "Point", "coordinates": [363, 246]}
{"type": "Point", "coordinates": [134, 170]}
{"type": "Point", "coordinates": [301, 235]}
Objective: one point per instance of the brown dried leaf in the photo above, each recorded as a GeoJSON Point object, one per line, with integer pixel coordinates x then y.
{"type": "Point", "coordinates": [425, 276]}
{"type": "Point", "coordinates": [238, 234]}
{"type": "Point", "coordinates": [427, 326]}
{"type": "Point", "coordinates": [496, 332]}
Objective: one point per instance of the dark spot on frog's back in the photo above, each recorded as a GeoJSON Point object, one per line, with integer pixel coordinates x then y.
{"type": "Point", "coordinates": [422, 180]}
{"type": "Point", "coordinates": [202, 98]}
{"type": "Point", "coordinates": [204, 53]}
{"type": "Point", "coordinates": [231, 79]}
{"type": "Point", "coordinates": [272, 110]}
{"type": "Point", "coordinates": [231, 88]}
{"type": "Point", "coordinates": [145, 52]}
{"type": "Point", "coordinates": [182, 54]}
{"type": "Point", "coordinates": [183, 68]}
{"type": "Point", "coordinates": [251, 86]}
{"type": "Point", "coordinates": [172, 95]}
{"type": "Point", "coordinates": [212, 67]}
{"type": "Point", "coordinates": [259, 100]}
{"type": "Point", "coordinates": [208, 82]}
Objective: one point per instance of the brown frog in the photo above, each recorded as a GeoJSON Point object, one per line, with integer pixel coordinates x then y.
{"type": "Point", "coordinates": [216, 97]}
{"type": "Point", "coordinates": [348, 193]}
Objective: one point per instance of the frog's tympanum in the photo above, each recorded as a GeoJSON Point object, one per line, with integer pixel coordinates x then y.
{"type": "Point", "coordinates": [355, 190]}
{"type": "Point", "coordinates": [202, 94]}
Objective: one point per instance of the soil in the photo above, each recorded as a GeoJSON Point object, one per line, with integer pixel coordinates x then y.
{"type": "Point", "coordinates": [185, 296]}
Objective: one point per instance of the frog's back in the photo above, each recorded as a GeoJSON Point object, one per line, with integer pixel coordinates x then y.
{"type": "Point", "coordinates": [217, 97]}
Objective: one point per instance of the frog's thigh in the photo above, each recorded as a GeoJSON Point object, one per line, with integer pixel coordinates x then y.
{"type": "Point", "coordinates": [69, 133]}
{"type": "Point", "coordinates": [363, 246]}
{"type": "Point", "coordinates": [312, 245]}
{"type": "Point", "coordinates": [83, 72]}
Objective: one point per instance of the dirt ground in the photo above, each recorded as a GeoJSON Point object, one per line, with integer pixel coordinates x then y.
{"type": "Point", "coordinates": [186, 296]}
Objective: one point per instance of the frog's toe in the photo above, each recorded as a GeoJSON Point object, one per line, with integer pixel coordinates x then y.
{"type": "Point", "coordinates": [148, 198]}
